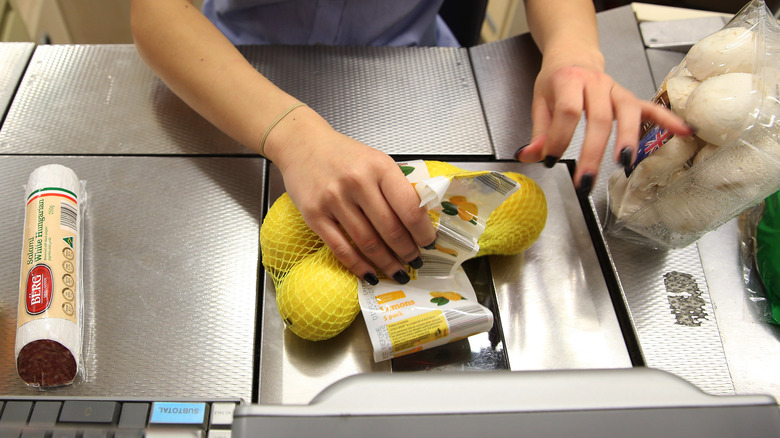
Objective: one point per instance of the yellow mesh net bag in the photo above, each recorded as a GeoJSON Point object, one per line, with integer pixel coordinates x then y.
{"type": "Point", "coordinates": [517, 222]}
{"type": "Point", "coordinates": [285, 239]}
{"type": "Point", "coordinates": [317, 295]}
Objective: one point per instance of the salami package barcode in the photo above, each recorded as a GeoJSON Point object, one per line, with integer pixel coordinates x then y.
{"type": "Point", "coordinates": [466, 318]}
{"type": "Point", "coordinates": [68, 217]}
{"type": "Point", "coordinates": [498, 182]}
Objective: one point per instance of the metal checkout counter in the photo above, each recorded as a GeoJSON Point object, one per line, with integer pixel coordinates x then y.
{"type": "Point", "coordinates": [179, 312]}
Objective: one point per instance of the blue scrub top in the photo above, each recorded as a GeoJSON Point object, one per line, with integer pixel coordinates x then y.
{"type": "Point", "coordinates": [331, 22]}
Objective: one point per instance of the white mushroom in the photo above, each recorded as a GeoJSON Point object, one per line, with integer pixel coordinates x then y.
{"type": "Point", "coordinates": [624, 204]}
{"type": "Point", "coordinates": [687, 209]}
{"type": "Point", "coordinates": [728, 50]}
{"type": "Point", "coordinates": [704, 153]}
{"type": "Point", "coordinates": [678, 89]}
{"type": "Point", "coordinates": [743, 171]}
{"type": "Point", "coordinates": [720, 106]}
{"type": "Point", "coordinates": [655, 170]}
{"type": "Point", "coordinates": [718, 185]}
{"type": "Point", "coordinates": [679, 70]}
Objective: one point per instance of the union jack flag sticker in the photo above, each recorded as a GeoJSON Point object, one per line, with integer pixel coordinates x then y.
{"type": "Point", "coordinates": [652, 140]}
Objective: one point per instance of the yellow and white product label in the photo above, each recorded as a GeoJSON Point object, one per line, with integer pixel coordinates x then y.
{"type": "Point", "coordinates": [49, 294]}
{"type": "Point", "coordinates": [425, 313]}
{"type": "Point", "coordinates": [415, 170]}
{"type": "Point", "coordinates": [461, 211]}
{"type": "Point", "coordinates": [439, 304]}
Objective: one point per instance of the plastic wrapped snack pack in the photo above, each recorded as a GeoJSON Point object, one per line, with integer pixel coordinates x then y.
{"type": "Point", "coordinates": [760, 255]}
{"type": "Point", "coordinates": [318, 297]}
{"type": "Point", "coordinates": [50, 314]}
{"type": "Point", "coordinates": [728, 89]}
{"type": "Point", "coordinates": [768, 252]}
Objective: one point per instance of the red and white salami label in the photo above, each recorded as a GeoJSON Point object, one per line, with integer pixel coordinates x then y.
{"type": "Point", "coordinates": [38, 290]}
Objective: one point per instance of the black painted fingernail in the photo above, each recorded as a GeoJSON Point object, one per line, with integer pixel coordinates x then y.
{"type": "Point", "coordinates": [430, 247]}
{"type": "Point", "coordinates": [625, 156]}
{"type": "Point", "coordinates": [371, 278]}
{"type": "Point", "coordinates": [416, 263]}
{"type": "Point", "coordinates": [549, 161]}
{"type": "Point", "coordinates": [586, 183]}
{"type": "Point", "coordinates": [517, 152]}
{"type": "Point", "coordinates": [401, 277]}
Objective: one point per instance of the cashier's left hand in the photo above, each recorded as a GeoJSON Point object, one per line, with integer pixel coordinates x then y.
{"type": "Point", "coordinates": [572, 83]}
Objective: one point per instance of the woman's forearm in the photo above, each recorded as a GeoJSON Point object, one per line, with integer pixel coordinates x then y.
{"type": "Point", "coordinates": [565, 28]}
{"type": "Point", "coordinates": [204, 69]}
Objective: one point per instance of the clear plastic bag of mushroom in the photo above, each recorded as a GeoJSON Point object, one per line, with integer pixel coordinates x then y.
{"type": "Point", "coordinates": [728, 89]}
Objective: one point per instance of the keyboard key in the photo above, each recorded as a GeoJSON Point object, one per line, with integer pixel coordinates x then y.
{"type": "Point", "coordinates": [77, 411]}
{"type": "Point", "coordinates": [35, 433]}
{"type": "Point", "coordinates": [178, 413]}
{"type": "Point", "coordinates": [16, 412]}
{"type": "Point", "coordinates": [222, 414]}
{"type": "Point", "coordinates": [97, 433]}
{"type": "Point", "coordinates": [44, 416]}
{"type": "Point", "coordinates": [10, 432]}
{"type": "Point", "coordinates": [129, 433]}
{"type": "Point", "coordinates": [50, 418]}
{"type": "Point", "coordinates": [134, 415]}
{"type": "Point", "coordinates": [45, 413]}
{"type": "Point", "coordinates": [173, 432]}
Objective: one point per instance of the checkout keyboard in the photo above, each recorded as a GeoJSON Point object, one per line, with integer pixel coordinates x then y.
{"type": "Point", "coordinates": [52, 418]}
{"type": "Point", "coordinates": [637, 402]}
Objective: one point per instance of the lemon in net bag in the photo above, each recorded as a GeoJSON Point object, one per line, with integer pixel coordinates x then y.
{"type": "Point", "coordinates": [317, 295]}
{"type": "Point", "coordinates": [286, 240]}
{"type": "Point", "coordinates": [318, 298]}
{"type": "Point", "coordinates": [517, 222]}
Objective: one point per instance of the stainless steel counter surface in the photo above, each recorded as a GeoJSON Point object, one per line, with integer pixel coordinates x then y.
{"type": "Point", "coordinates": [418, 101]}
{"type": "Point", "coordinates": [170, 273]}
{"type": "Point", "coordinates": [670, 305]}
{"type": "Point", "coordinates": [505, 71]}
{"type": "Point", "coordinates": [662, 62]}
{"type": "Point", "coordinates": [13, 61]}
{"type": "Point", "coordinates": [102, 99]}
{"type": "Point", "coordinates": [552, 301]}
{"type": "Point", "coordinates": [404, 102]}
{"type": "Point", "coordinates": [751, 346]}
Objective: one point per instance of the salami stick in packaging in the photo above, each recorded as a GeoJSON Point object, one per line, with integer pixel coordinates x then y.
{"type": "Point", "coordinates": [49, 327]}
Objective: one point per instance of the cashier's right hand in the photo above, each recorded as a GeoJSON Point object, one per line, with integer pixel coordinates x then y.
{"type": "Point", "coordinates": [340, 183]}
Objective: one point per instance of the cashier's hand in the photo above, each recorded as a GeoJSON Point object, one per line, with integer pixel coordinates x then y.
{"type": "Point", "coordinates": [337, 182]}
{"type": "Point", "coordinates": [572, 84]}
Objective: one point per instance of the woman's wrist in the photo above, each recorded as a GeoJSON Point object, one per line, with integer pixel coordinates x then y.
{"type": "Point", "coordinates": [296, 132]}
{"type": "Point", "coordinates": [569, 54]}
